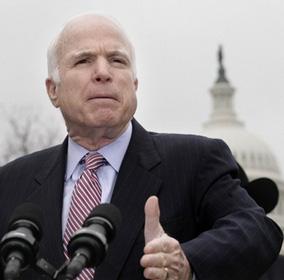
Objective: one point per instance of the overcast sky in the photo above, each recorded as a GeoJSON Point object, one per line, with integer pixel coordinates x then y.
{"type": "Point", "coordinates": [176, 43]}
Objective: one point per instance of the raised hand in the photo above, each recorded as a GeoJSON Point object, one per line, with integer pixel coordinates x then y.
{"type": "Point", "coordinates": [163, 256]}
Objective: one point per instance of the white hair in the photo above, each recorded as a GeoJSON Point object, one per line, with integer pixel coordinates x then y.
{"type": "Point", "coordinates": [52, 61]}
{"type": "Point", "coordinates": [52, 51]}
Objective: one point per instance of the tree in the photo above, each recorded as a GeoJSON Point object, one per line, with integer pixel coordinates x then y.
{"type": "Point", "coordinates": [27, 130]}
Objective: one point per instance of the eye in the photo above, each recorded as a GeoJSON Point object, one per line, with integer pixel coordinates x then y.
{"type": "Point", "coordinates": [119, 60]}
{"type": "Point", "coordinates": [82, 61]}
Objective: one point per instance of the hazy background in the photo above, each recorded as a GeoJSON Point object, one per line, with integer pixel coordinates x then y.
{"type": "Point", "coordinates": [176, 43]}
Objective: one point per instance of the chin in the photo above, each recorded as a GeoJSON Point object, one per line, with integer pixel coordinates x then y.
{"type": "Point", "coordinates": [103, 122]}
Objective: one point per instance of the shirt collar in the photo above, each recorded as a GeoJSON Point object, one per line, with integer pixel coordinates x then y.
{"type": "Point", "coordinates": [113, 152]}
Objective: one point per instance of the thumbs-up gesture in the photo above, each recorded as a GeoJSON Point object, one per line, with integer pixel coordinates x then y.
{"type": "Point", "coordinates": [163, 256]}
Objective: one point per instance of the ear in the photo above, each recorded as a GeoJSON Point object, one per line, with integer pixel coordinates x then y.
{"type": "Point", "coordinates": [51, 88]}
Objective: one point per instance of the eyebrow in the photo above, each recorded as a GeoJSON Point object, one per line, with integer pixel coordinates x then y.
{"type": "Point", "coordinates": [91, 53]}
{"type": "Point", "coordinates": [81, 54]}
{"type": "Point", "coordinates": [87, 53]}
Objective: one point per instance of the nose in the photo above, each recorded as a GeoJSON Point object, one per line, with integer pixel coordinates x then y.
{"type": "Point", "coordinates": [101, 73]}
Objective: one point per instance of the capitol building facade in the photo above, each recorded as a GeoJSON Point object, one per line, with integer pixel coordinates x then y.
{"type": "Point", "coordinates": [251, 152]}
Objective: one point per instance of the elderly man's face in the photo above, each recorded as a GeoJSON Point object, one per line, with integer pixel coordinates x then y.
{"type": "Point", "coordinates": [97, 84]}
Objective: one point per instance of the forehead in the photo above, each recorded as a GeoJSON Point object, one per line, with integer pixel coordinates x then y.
{"type": "Point", "coordinates": [92, 33]}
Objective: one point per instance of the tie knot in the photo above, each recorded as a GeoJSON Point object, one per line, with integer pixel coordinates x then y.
{"type": "Point", "coordinates": [94, 161]}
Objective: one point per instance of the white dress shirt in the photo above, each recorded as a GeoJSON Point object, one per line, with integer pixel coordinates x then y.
{"type": "Point", "coordinates": [107, 174]}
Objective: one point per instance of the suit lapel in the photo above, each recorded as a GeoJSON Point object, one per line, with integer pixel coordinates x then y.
{"type": "Point", "coordinates": [134, 185]}
{"type": "Point", "coordinates": [49, 195]}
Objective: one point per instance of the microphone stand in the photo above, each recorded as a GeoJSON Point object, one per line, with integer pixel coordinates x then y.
{"type": "Point", "coordinates": [44, 267]}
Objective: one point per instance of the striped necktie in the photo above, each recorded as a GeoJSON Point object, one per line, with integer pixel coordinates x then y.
{"type": "Point", "coordinates": [86, 196]}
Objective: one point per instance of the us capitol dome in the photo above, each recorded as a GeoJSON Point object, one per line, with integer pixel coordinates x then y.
{"type": "Point", "coordinates": [251, 152]}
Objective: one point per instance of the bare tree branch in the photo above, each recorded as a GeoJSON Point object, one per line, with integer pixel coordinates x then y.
{"type": "Point", "coordinates": [27, 130]}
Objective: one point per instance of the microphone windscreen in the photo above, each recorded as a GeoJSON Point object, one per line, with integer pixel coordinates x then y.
{"type": "Point", "coordinates": [27, 211]}
{"type": "Point", "coordinates": [265, 192]}
{"type": "Point", "coordinates": [109, 212]}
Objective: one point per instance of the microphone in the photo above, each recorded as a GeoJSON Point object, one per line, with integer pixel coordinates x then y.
{"type": "Point", "coordinates": [88, 246]}
{"type": "Point", "coordinates": [18, 247]}
{"type": "Point", "coordinates": [265, 192]}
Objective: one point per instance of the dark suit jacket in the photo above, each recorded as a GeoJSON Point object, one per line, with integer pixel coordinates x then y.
{"type": "Point", "coordinates": [276, 271]}
{"type": "Point", "coordinates": [224, 234]}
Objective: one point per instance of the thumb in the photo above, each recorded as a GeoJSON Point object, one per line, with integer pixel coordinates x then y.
{"type": "Point", "coordinates": [153, 228]}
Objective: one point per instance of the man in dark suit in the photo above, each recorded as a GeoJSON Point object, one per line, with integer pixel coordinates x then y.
{"type": "Point", "coordinates": [184, 213]}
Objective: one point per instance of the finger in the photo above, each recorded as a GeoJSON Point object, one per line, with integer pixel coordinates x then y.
{"type": "Point", "coordinates": [153, 228]}
{"type": "Point", "coordinates": [161, 244]}
{"type": "Point", "coordinates": [156, 273]}
{"type": "Point", "coordinates": [164, 244]}
{"type": "Point", "coordinates": [154, 260]}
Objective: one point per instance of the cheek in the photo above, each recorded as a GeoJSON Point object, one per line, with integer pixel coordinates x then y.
{"type": "Point", "coordinates": [71, 89]}
{"type": "Point", "coordinates": [128, 87]}
{"type": "Point", "coordinates": [130, 99]}
{"type": "Point", "coordinates": [69, 100]}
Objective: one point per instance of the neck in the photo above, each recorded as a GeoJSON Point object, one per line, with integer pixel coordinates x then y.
{"type": "Point", "coordinates": [96, 138]}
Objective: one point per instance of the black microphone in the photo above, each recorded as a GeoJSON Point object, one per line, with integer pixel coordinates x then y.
{"type": "Point", "coordinates": [265, 192]}
{"type": "Point", "coordinates": [19, 246]}
{"type": "Point", "coordinates": [88, 246]}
